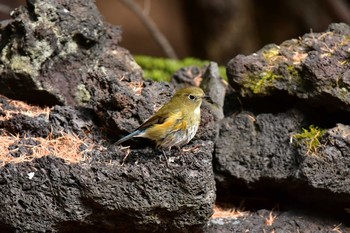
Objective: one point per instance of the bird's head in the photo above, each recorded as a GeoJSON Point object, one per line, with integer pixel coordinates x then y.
{"type": "Point", "coordinates": [191, 97]}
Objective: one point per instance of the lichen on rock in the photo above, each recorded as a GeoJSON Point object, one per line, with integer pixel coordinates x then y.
{"type": "Point", "coordinates": [312, 67]}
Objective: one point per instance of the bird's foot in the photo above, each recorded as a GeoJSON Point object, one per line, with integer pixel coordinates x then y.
{"type": "Point", "coordinates": [192, 149]}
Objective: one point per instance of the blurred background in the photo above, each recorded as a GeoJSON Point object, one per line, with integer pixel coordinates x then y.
{"type": "Point", "coordinates": [215, 30]}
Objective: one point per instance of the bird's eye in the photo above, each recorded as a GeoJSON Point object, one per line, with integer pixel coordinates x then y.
{"type": "Point", "coordinates": [191, 97]}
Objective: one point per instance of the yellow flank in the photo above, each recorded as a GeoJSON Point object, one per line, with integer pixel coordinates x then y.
{"type": "Point", "coordinates": [181, 125]}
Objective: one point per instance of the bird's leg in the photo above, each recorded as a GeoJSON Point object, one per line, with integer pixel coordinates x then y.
{"type": "Point", "coordinates": [166, 158]}
{"type": "Point", "coordinates": [127, 153]}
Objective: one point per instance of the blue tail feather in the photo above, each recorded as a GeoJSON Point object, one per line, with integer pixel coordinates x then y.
{"type": "Point", "coordinates": [127, 137]}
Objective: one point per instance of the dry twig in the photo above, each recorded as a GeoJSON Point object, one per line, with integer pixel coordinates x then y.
{"type": "Point", "coordinates": [152, 27]}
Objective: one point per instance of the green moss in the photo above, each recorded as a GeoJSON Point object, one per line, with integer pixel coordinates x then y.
{"type": "Point", "coordinates": [260, 84]}
{"type": "Point", "coordinates": [162, 69]}
{"type": "Point", "coordinates": [264, 82]}
{"type": "Point", "coordinates": [26, 59]}
{"type": "Point", "coordinates": [311, 137]}
{"type": "Point", "coordinates": [271, 53]}
{"type": "Point", "coordinates": [22, 64]}
{"type": "Point", "coordinates": [69, 47]}
{"type": "Point", "coordinates": [293, 71]}
{"type": "Point", "coordinates": [82, 94]}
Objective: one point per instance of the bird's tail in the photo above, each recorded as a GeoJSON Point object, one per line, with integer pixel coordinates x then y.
{"type": "Point", "coordinates": [127, 137]}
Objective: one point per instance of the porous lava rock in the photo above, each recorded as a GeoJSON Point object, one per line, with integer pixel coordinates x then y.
{"type": "Point", "coordinates": [286, 140]}
{"type": "Point", "coordinates": [143, 194]}
{"type": "Point", "coordinates": [60, 170]}
{"type": "Point", "coordinates": [275, 221]}
{"type": "Point", "coordinates": [314, 68]}
{"type": "Point", "coordinates": [55, 52]}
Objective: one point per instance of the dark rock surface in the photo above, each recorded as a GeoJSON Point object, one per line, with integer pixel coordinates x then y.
{"type": "Point", "coordinates": [314, 67]}
{"type": "Point", "coordinates": [110, 189]}
{"type": "Point", "coordinates": [254, 147]}
{"type": "Point", "coordinates": [61, 171]}
{"type": "Point", "coordinates": [283, 91]}
{"type": "Point", "coordinates": [259, 153]}
{"type": "Point", "coordinates": [275, 221]}
{"type": "Point", "coordinates": [142, 195]}
{"type": "Point", "coordinates": [187, 76]}
{"type": "Point", "coordinates": [56, 51]}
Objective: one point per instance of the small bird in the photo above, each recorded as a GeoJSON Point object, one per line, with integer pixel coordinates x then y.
{"type": "Point", "coordinates": [176, 123]}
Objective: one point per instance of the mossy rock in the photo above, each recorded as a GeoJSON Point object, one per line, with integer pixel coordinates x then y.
{"type": "Point", "coordinates": [162, 69]}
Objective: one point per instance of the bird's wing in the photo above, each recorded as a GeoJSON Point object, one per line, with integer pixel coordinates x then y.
{"type": "Point", "coordinates": [139, 132]}
{"type": "Point", "coordinates": [160, 116]}
{"type": "Point", "coordinates": [159, 128]}
{"type": "Point", "coordinates": [155, 119]}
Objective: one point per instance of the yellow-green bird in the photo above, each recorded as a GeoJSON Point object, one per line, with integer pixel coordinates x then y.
{"type": "Point", "coordinates": [176, 123]}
